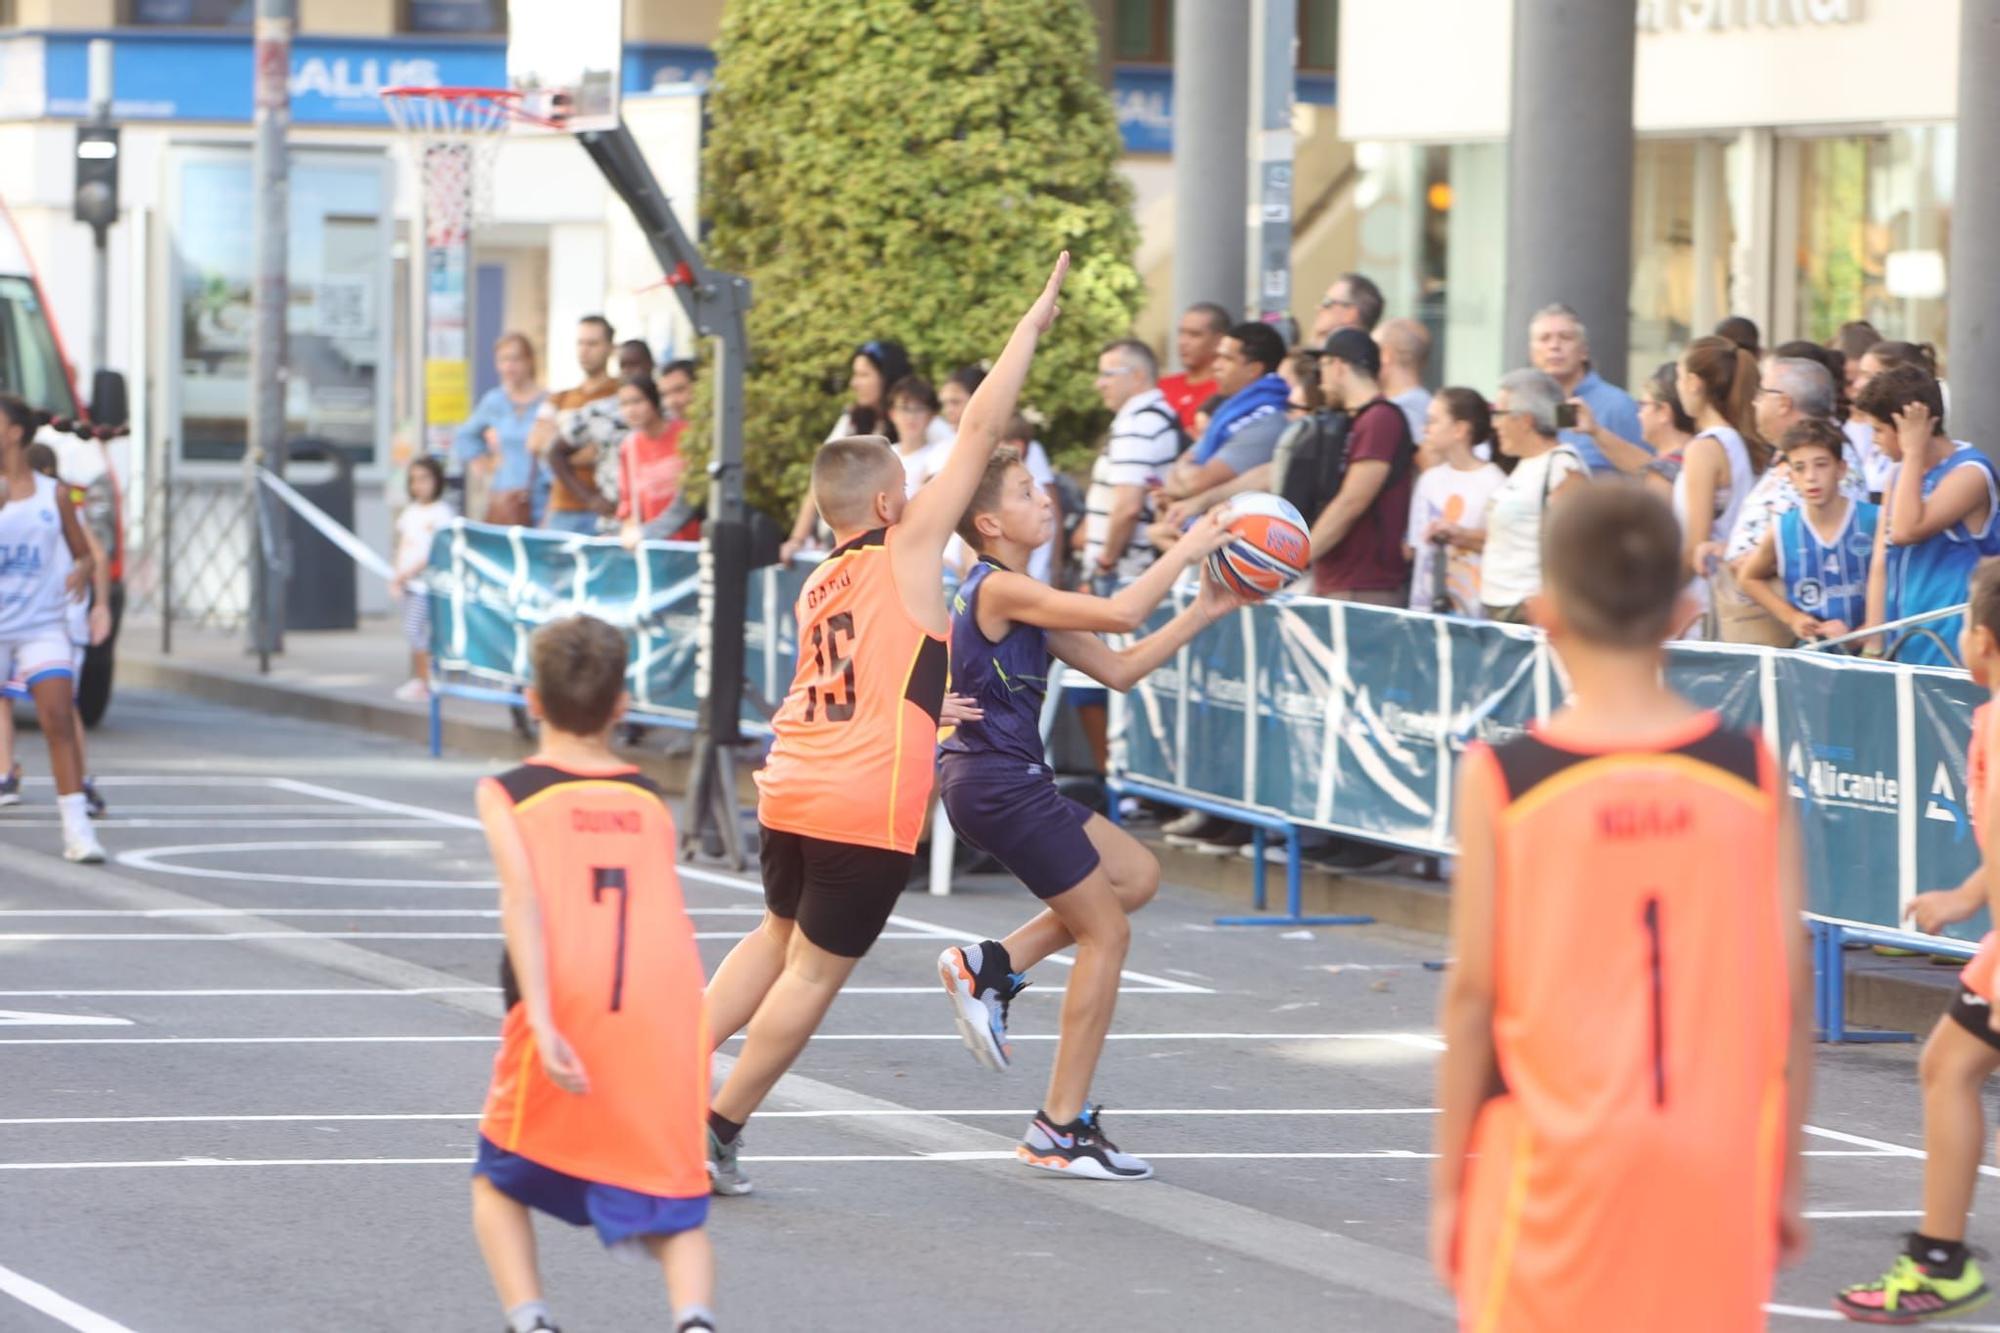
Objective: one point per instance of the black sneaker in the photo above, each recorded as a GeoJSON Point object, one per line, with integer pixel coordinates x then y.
{"type": "Point", "coordinates": [1226, 839]}
{"type": "Point", "coordinates": [1194, 828]}
{"type": "Point", "coordinates": [980, 991]}
{"type": "Point", "coordinates": [695, 1323]}
{"type": "Point", "coordinates": [1078, 1149]}
{"type": "Point", "coordinates": [93, 804]}
{"type": "Point", "coordinates": [1346, 854]}
{"type": "Point", "coordinates": [541, 1325]}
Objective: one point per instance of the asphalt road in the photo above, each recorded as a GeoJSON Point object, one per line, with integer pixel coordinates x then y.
{"type": "Point", "coordinates": [244, 1064]}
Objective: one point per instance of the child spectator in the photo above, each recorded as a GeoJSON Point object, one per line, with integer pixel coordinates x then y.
{"type": "Point", "coordinates": [1939, 514]}
{"type": "Point", "coordinates": [595, 1110]}
{"type": "Point", "coordinates": [416, 528]}
{"type": "Point", "coordinates": [1448, 509]}
{"type": "Point", "coordinates": [1820, 552]}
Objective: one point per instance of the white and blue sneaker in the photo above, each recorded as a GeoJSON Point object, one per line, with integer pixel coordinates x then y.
{"type": "Point", "coordinates": [1078, 1149]}
{"type": "Point", "coordinates": [980, 989]}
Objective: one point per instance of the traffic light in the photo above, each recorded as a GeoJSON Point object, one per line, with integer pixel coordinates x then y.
{"type": "Point", "coordinates": [97, 175]}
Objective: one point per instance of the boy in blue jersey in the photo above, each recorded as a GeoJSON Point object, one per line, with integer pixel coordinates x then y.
{"type": "Point", "coordinates": [1938, 514]}
{"type": "Point", "coordinates": [1820, 552]}
{"type": "Point", "coordinates": [1001, 795]}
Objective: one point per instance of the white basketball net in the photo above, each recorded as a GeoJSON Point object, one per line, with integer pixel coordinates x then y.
{"type": "Point", "coordinates": [458, 133]}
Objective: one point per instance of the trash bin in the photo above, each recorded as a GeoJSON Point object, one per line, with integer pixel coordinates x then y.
{"type": "Point", "coordinates": [320, 592]}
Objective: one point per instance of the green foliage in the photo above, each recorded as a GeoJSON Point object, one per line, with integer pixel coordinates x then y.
{"type": "Point", "coordinates": [908, 169]}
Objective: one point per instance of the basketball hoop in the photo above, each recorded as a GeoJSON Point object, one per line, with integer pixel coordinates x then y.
{"type": "Point", "coordinates": [457, 132]}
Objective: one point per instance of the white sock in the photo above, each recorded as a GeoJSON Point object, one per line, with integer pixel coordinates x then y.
{"type": "Point", "coordinates": [75, 816]}
{"type": "Point", "coordinates": [523, 1317]}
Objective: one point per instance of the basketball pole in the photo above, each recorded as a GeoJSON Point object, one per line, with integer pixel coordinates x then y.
{"type": "Point", "coordinates": [715, 303]}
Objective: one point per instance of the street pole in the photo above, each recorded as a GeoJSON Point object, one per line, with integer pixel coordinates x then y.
{"type": "Point", "coordinates": [1276, 25]}
{"type": "Point", "coordinates": [100, 268]}
{"type": "Point", "coordinates": [1975, 267]}
{"type": "Point", "coordinates": [1211, 134]}
{"type": "Point", "coordinates": [1569, 173]}
{"type": "Point", "coordinates": [271, 188]}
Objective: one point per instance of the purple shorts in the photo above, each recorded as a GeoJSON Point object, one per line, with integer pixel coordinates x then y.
{"type": "Point", "coordinates": [618, 1214]}
{"type": "Point", "coordinates": [1013, 812]}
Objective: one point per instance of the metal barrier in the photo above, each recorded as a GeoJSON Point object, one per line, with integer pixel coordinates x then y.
{"type": "Point", "coordinates": [1830, 938]}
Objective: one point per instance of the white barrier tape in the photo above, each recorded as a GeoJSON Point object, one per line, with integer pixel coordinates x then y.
{"type": "Point", "coordinates": [356, 549]}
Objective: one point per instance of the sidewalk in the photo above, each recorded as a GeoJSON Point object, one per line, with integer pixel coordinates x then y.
{"type": "Point", "coordinates": [348, 678]}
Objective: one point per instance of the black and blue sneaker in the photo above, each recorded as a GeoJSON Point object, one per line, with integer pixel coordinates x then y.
{"type": "Point", "coordinates": [980, 987]}
{"type": "Point", "coordinates": [10, 787]}
{"type": "Point", "coordinates": [1078, 1149]}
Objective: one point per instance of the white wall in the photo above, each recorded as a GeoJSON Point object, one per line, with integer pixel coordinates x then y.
{"type": "Point", "coordinates": [1440, 70]}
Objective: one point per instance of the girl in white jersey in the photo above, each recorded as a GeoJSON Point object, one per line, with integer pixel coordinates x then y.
{"type": "Point", "coordinates": [37, 526]}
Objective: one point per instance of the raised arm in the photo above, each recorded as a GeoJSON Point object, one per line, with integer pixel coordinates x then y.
{"type": "Point", "coordinates": [935, 510]}
{"type": "Point", "coordinates": [1009, 598]}
{"type": "Point", "coordinates": [1122, 668]}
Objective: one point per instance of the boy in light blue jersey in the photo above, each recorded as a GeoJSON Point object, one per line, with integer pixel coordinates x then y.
{"type": "Point", "coordinates": [1938, 516]}
{"type": "Point", "coordinates": [1819, 552]}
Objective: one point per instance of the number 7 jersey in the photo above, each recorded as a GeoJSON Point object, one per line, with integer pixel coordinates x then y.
{"type": "Point", "coordinates": [854, 759]}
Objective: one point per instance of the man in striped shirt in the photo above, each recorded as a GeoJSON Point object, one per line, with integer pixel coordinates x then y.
{"type": "Point", "coordinates": [1145, 437]}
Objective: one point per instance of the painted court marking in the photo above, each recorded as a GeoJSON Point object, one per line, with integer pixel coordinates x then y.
{"type": "Point", "coordinates": [291, 1117]}
{"type": "Point", "coordinates": [227, 936]}
{"type": "Point", "coordinates": [55, 1305]}
{"type": "Point", "coordinates": [1414, 1039]}
{"type": "Point", "coordinates": [697, 873]}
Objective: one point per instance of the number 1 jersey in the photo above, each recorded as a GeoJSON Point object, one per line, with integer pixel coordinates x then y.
{"type": "Point", "coordinates": [1641, 1014]}
{"type": "Point", "coordinates": [625, 990]}
{"type": "Point", "coordinates": [856, 744]}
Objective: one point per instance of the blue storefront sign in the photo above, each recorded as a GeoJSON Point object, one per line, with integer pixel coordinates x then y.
{"type": "Point", "coordinates": [205, 76]}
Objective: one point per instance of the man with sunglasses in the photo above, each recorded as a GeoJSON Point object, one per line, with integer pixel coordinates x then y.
{"type": "Point", "coordinates": [1352, 302]}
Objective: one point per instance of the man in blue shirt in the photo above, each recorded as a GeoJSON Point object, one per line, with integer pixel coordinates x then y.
{"type": "Point", "coordinates": [1559, 346]}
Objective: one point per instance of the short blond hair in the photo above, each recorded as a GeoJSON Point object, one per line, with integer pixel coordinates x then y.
{"type": "Point", "coordinates": [848, 473]}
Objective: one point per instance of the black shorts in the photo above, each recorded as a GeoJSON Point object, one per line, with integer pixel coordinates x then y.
{"type": "Point", "coordinates": [840, 894]}
{"type": "Point", "coordinates": [1975, 1015]}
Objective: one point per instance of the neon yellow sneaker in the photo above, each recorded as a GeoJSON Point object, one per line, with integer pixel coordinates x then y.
{"type": "Point", "coordinates": [1909, 1293]}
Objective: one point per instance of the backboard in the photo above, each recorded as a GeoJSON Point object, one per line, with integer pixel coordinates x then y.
{"type": "Point", "coordinates": [566, 58]}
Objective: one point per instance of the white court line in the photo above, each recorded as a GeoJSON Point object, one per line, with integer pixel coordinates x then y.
{"type": "Point", "coordinates": [118, 822]}
{"type": "Point", "coordinates": [1397, 1038]}
{"type": "Point", "coordinates": [1887, 1149]}
{"type": "Point", "coordinates": [696, 873]}
{"type": "Point", "coordinates": [228, 936]}
{"type": "Point", "coordinates": [974, 1155]}
{"type": "Point", "coordinates": [177, 913]}
{"type": "Point", "coordinates": [1832, 1316]}
{"type": "Point", "coordinates": [284, 992]}
{"type": "Point", "coordinates": [148, 858]}
{"type": "Point", "coordinates": [168, 780]}
{"type": "Point", "coordinates": [55, 1305]}
{"type": "Point", "coordinates": [1123, 1112]}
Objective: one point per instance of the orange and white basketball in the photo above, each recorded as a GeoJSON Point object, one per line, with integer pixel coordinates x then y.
{"type": "Point", "coordinates": [1271, 549]}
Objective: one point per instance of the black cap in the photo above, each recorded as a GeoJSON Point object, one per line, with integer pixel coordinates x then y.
{"type": "Point", "coordinates": [1356, 348]}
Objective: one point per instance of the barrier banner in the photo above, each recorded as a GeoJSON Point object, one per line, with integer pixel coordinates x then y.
{"type": "Point", "coordinates": [1350, 718]}
{"type": "Point", "coordinates": [1149, 746]}
{"type": "Point", "coordinates": [493, 587]}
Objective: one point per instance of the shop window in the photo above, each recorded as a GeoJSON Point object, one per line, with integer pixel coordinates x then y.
{"type": "Point", "coordinates": [1143, 32]}
{"type": "Point", "coordinates": [465, 18]}
{"type": "Point", "coordinates": [190, 13]}
{"type": "Point", "coordinates": [1875, 232]}
{"type": "Point", "coordinates": [1683, 233]}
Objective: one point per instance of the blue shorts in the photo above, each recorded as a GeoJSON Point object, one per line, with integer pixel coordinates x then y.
{"type": "Point", "coordinates": [618, 1214]}
{"type": "Point", "coordinates": [1012, 811]}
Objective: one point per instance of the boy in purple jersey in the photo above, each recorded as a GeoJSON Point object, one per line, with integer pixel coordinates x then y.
{"type": "Point", "coordinates": [1001, 795]}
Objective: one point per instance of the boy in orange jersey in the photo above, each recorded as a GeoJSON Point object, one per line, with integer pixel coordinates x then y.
{"type": "Point", "coordinates": [1935, 1277]}
{"type": "Point", "coordinates": [595, 1113]}
{"type": "Point", "coordinates": [1627, 1020]}
{"type": "Point", "coordinates": [844, 793]}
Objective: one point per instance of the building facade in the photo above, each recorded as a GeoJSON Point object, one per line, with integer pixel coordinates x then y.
{"type": "Point", "coordinates": [1794, 163]}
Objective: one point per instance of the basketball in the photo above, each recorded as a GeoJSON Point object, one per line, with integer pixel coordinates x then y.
{"type": "Point", "coordinates": [1270, 549]}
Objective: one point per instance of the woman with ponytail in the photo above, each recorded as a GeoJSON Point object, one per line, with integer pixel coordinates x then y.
{"type": "Point", "coordinates": [1718, 387]}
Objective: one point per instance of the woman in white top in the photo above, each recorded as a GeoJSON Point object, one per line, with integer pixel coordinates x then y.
{"type": "Point", "coordinates": [1524, 423]}
{"type": "Point", "coordinates": [1718, 387]}
{"type": "Point", "coordinates": [878, 364]}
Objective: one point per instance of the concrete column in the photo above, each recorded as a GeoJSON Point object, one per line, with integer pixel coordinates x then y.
{"type": "Point", "coordinates": [1211, 144]}
{"type": "Point", "coordinates": [1569, 210]}
{"type": "Point", "coordinates": [1975, 232]}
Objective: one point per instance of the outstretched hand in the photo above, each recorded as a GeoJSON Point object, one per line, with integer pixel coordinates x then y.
{"type": "Point", "coordinates": [1042, 314]}
{"type": "Point", "coordinates": [1215, 599]}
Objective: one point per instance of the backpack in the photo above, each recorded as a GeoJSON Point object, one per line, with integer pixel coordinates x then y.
{"type": "Point", "coordinates": [1173, 419]}
{"type": "Point", "coordinates": [1311, 462]}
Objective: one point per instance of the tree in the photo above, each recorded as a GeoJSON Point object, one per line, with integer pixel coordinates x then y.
{"type": "Point", "coordinates": [908, 169]}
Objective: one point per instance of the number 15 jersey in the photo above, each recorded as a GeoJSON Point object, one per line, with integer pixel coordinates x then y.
{"type": "Point", "coordinates": [857, 733]}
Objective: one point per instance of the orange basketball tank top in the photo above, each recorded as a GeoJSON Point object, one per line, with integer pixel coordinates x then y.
{"type": "Point", "coordinates": [1640, 1025]}
{"type": "Point", "coordinates": [1979, 974]}
{"type": "Point", "coordinates": [856, 746]}
{"type": "Point", "coordinates": [625, 990]}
